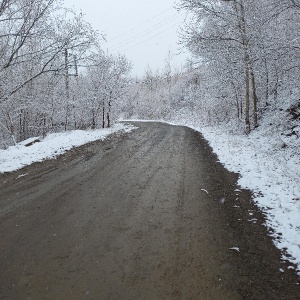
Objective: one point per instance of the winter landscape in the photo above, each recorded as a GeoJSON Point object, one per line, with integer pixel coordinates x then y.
{"type": "Point", "coordinates": [239, 90]}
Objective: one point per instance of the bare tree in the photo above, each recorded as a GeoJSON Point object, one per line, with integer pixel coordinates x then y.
{"type": "Point", "coordinates": [34, 36]}
{"type": "Point", "coordinates": [250, 37]}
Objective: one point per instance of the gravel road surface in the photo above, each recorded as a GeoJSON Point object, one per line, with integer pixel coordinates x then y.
{"type": "Point", "coordinates": [150, 214]}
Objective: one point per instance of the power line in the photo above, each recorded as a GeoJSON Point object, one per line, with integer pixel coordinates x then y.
{"type": "Point", "coordinates": [171, 7]}
{"type": "Point", "coordinates": [158, 25]}
{"type": "Point", "coordinates": [146, 32]}
{"type": "Point", "coordinates": [152, 37]}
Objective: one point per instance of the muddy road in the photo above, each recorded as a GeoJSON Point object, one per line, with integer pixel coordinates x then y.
{"type": "Point", "coordinates": [145, 215]}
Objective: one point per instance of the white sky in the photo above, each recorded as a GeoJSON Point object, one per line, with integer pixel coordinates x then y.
{"type": "Point", "coordinates": [145, 31]}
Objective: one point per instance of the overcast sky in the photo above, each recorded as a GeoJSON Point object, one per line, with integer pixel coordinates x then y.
{"type": "Point", "coordinates": [145, 31]}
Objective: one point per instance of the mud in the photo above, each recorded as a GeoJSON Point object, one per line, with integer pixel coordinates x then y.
{"type": "Point", "coordinates": [146, 215]}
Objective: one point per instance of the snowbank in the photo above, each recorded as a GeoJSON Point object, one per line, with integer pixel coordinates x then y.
{"type": "Point", "coordinates": [272, 172]}
{"type": "Point", "coordinates": [269, 165]}
{"type": "Point", "coordinates": [16, 157]}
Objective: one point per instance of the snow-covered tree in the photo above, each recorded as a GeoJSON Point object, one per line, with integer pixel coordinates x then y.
{"type": "Point", "coordinates": [45, 51]}
{"type": "Point", "coordinates": [249, 49]}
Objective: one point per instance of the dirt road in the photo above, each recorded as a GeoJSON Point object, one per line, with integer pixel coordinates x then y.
{"type": "Point", "coordinates": [145, 215]}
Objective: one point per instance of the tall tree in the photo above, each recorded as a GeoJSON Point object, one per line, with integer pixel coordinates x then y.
{"type": "Point", "coordinates": [243, 36]}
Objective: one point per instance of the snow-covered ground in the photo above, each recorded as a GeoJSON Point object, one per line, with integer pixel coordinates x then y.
{"type": "Point", "coordinates": [16, 157]}
{"type": "Point", "coordinates": [273, 174]}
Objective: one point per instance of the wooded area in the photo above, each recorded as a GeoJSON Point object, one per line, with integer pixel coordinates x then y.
{"type": "Point", "coordinates": [245, 62]}
{"type": "Point", "coordinates": [53, 74]}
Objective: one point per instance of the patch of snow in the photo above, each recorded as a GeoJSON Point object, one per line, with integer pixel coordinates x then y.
{"type": "Point", "coordinates": [235, 248]}
{"type": "Point", "coordinates": [16, 157]}
{"type": "Point", "coordinates": [273, 174]}
{"type": "Point", "coordinates": [253, 220]}
{"type": "Point", "coordinates": [28, 141]}
{"type": "Point", "coordinates": [22, 175]}
{"type": "Point", "coordinates": [204, 191]}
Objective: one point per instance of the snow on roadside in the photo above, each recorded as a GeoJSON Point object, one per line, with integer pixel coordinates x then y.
{"type": "Point", "coordinates": [273, 174]}
{"type": "Point", "coordinates": [55, 144]}
{"type": "Point", "coordinates": [270, 171]}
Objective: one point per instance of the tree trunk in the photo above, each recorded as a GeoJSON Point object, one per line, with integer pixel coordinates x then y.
{"type": "Point", "coordinates": [44, 124]}
{"type": "Point", "coordinates": [255, 117]}
{"type": "Point", "coordinates": [109, 110]}
{"type": "Point", "coordinates": [103, 115]}
{"type": "Point", "coordinates": [241, 108]}
{"type": "Point", "coordinates": [247, 104]}
{"type": "Point", "coordinates": [11, 129]}
{"type": "Point", "coordinates": [67, 74]}
{"type": "Point", "coordinates": [242, 25]}
{"type": "Point", "coordinates": [108, 120]}
{"type": "Point", "coordinates": [267, 81]}
{"type": "Point", "coordinates": [21, 128]}
{"type": "Point", "coordinates": [237, 100]}
{"type": "Point", "coordinates": [93, 119]}
{"type": "Point", "coordinates": [66, 117]}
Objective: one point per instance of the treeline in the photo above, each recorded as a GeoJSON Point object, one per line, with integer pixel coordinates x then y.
{"type": "Point", "coordinates": [169, 96]}
{"type": "Point", "coordinates": [245, 61]}
{"type": "Point", "coordinates": [53, 74]}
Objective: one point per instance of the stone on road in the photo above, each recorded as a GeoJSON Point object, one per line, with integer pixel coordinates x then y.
{"type": "Point", "coordinates": [146, 215]}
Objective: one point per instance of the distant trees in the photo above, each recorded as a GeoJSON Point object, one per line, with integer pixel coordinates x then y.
{"type": "Point", "coordinates": [108, 80]}
{"type": "Point", "coordinates": [250, 49]}
{"type": "Point", "coordinates": [54, 75]}
{"type": "Point", "coordinates": [167, 95]}
{"type": "Point", "coordinates": [245, 62]}
{"type": "Point", "coordinates": [45, 51]}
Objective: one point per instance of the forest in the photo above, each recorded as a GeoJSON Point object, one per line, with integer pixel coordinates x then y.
{"type": "Point", "coordinates": [244, 66]}
{"type": "Point", "coordinates": [54, 74]}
